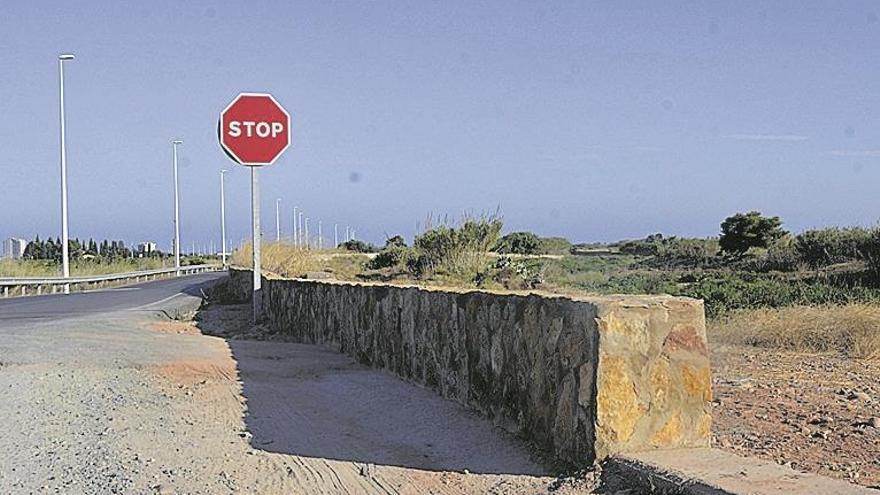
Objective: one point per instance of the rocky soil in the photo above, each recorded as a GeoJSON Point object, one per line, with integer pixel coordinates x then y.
{"type": "Point", "coordinates": [814, 413]}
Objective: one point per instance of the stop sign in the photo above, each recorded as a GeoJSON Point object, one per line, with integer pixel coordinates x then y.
{"type": "Point", "coordinates": [254, 129]}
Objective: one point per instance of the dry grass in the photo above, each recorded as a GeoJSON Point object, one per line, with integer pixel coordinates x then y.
{"type": "Point", "coordinates": [282, 258]}
{"type": "Point", "coordinates": [39, 268]}
{"type": "Point", "coordinates": [852, 330]}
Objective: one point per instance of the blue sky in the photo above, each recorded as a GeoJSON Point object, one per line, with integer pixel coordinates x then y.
{"type": "Point", "coordinates": [590, 120]}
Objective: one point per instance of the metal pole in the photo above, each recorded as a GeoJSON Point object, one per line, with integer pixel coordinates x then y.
{"type": "Point", "coordinates": [65, 255]}
{"type": "Point", "coordinates": [301, 243]}
{"type": "Point", "coordinates": [176, 211]}
{"type": "Point", "coordinates": [295, 241]}
{"type": "Point", "coordinates": [278, 220]}
{"type": "Point", "coordinates": [308, 241]}
{"type": "Point", "coordinates": [223, 217]}
{"type": "Point", "coordinates": [320, 240]}
{"type": "Point", "coordinates": [335, 236]}
{"type": "Point", "coordinates": [255, 210]}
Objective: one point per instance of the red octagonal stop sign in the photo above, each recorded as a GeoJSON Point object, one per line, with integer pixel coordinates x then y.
{"type": "Point", "coordinates": [254, 129]}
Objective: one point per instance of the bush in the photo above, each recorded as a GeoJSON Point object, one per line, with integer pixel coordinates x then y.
{"type": "Point", "coordinates": [781, 258]}
{"type": "Point", "coordinates": [391, 257]}
{"type": "Point", "coordinates": [461, 252]}
{"type": "Point", "coordinates": [519, 243]}
{"type": "Point", "coordinates": [871, 254]}
{"type": "Point", "coordinates": [358, 246]}
{"type": "Point", "coordinates": [823, 247]}
{"type": "Point", "coordinates": [640, 247]}
{"type": "Point", "coordinates": [396, 241]}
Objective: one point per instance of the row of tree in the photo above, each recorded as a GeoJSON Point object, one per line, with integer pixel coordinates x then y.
{"type": "Point", "coordinates": [50, 249]}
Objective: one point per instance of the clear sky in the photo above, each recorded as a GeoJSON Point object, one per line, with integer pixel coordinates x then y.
{"type": "Point", "coordinates": [590, 120]}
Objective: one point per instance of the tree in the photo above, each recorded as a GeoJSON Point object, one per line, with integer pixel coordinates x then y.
{"type": "Point", "coordinates": [747, 230]}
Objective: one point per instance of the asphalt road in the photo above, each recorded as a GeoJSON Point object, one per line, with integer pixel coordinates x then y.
{"type": "Point", "coordinates": [141, 296]}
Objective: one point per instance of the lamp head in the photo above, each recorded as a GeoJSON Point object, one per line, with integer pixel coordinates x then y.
{"type": "Point", "coordinates": [66, 56]}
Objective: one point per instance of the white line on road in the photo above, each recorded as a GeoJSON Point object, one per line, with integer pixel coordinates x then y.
{"type": "Point", "coordinates": [157, 302]}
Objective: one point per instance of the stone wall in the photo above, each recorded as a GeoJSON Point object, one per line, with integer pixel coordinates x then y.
{"type": "Point", "coordinates": [581, 378]}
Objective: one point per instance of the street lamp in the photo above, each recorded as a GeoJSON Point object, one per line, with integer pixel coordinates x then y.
{"type": "Point", "coordinates": [300, 220]}
{"type": "Point", "coordinates": [320, 237]}
{"type": "Point", "coordinates": [295, 241]}
{"type": "Point", "coordinates": [174, 145]}
{"type": "Point", "coordinates": [223, 217]}
{"type": "Point", "coordinates": [277, 219]}
{"type": "Point", "coordinates": [65, 255]}
{"type": "Point", "coordinates": [308, 241]}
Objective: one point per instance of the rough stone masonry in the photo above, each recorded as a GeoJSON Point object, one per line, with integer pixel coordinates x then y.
{"type": "Point", "coordinates": [581, 377]}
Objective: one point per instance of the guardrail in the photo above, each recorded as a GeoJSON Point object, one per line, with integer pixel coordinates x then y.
{"type": "Point", "coordinates": [19, 286]}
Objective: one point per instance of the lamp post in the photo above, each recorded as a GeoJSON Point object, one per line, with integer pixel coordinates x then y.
{"type": "Point", "coordinates": [277, 219]}
{"type": "Point", "coordinates": [300, 220]}
{"type": "Point", "coordinates": [65, 255]}
{"type": "Point", "coordinates": [174, 145]}
{"type": "Point", "coordinates": [223, 217]}
{"type": "Point", "coordinates": [295, 241]}
{"type": "Point", "coordinates": [308, 241]}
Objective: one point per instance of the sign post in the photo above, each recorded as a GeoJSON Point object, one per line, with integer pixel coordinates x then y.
{"type": "Point", "coordinates": [254, 130]}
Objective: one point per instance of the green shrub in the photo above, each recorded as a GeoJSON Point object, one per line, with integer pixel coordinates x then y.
{"type": "Point", "coordinates": [519, 243]}
{"type": "Point", "coordinates": [358, 246]}
{"type": "Point", "coordinates": [871, 254]}
{"type": "Point", "coordinates": [781, 258]}
{"type": "Point", "coordinates": [823, 247]}
{"type": "Point", "coordinates": [395, 241]}
{"type": "Point", "coordinates": [391, 257]}
{"type": "Point", "coordinates": [461, 252]}
{"type": "Point", "coordinates": [641, 247]}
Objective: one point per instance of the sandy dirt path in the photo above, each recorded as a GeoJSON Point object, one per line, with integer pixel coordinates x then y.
{"type": "Point", "coordinates": [136, 403]}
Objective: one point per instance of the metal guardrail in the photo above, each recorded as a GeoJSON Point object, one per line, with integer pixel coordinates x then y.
{"type": "Point", "coordinates": [18, 286]}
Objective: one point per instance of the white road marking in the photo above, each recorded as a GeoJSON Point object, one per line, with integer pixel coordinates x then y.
{"type": "Point", "coordinates": [157, 302]}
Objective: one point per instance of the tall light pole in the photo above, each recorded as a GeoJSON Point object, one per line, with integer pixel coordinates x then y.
{"type": "Point", "coordinates": [65, 255]}
{"type": "Point", "coordinates": [320, 236]}
{"type": "Point", "coordinates": [277, 219]}
{"type": "Point", "coordinates": [295, 241]}
{"type": "Point", "coordinates": [300, 219]}
{"type": "Point", "coordinates": [308, 241]}
{"type": "Point", "coordinates": [223, 217]}
{"type": "Point", "coordinates": [335, 236]}
{"type": "Point", "coordinates": [174, 145]}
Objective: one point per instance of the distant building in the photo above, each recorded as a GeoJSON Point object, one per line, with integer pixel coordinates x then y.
{"type": "Point", "coordinates": [13, 248]}
{"type": "Point", "coordinates": [146, 247]}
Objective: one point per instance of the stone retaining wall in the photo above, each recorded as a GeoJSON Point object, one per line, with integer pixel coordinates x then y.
{"type": "Point", "coordinates": [582, 377]}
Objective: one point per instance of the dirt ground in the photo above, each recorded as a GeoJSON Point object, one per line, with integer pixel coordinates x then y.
{"type": "Point", "coordinates": [814, 413]}
{"type": "Point", "coordinates": [137, 404]}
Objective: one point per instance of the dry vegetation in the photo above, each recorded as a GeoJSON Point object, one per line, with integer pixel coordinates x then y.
{"type": "Point", "coordinates": [852, 330]}
{"type": "Point", "coordinates": [41, 268]}
{"type": "Point", "coordinates": [282, 258]}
